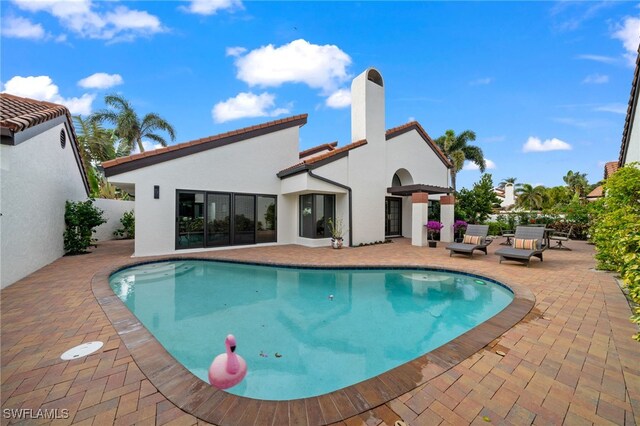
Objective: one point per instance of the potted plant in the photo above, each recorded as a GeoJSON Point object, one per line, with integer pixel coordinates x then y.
{"type": "Point", "coordinates": [337, 231]}
{"type": "Point", "coordinates": [459, 227]}
{"type": "Point", "coordinates": [433, 228]}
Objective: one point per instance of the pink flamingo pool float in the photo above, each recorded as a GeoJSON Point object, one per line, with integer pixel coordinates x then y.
{"type": "Point", "coordinates": [227, 369]}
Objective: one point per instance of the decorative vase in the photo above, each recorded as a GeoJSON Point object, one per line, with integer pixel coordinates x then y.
{"type": "Point", "coordinates": [433, 244]}
{"type": "Point", "coordinates": [336, 243]}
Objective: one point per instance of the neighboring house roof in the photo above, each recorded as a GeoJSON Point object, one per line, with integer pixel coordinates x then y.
{"type": "Point", "coordinates": [414, 125]}
{"type": "Point", "coordinates": [316, 149]}
{"type": "Point", "coordinates": [147, 158]}
{"type": "Point", "coordinates": [320, 160]}
{"type": "Point", "coordinates": [596, 193]}
{"type": "Point", "coordinates": [631, 112]}
{"type": "Point", "coordinates": [18, 114]}
{"type": "Point", "coordinates": [610, 168]}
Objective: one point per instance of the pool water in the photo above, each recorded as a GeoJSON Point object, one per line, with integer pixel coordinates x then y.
{"type": "Point", "coordinates": [303, 332]}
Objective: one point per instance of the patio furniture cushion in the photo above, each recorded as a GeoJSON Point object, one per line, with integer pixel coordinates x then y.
{"type": "Point", "coordinates": [472, 239]}
{"type": "Point", "coordinates": [520, 243]}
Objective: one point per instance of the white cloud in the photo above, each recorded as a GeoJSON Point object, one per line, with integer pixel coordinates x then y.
{"type": "Point", "coordinates": [614, 108]}
{"type": "Point", "coordinates": [17, 27]}
{"type": "Point", "coordinates": [596, 79]}
{"type": "Point", "coordinates": [147, 145]}
{"type": "Point", "coordinates": [319, 67]}
{"type": "Point", "coordinates": [43, 89]}
{"type": "Point", "coordinates": [411, 119]}
{"type": "Point", "coordinates": [341, 98]}
{"type": "Point", "coordinates": [534, 144]}
{"type": "Point", "coordinates": [211, 7]}
{"type": "Point", "coordinates": [101, 80]}
{"type": "Point", "coordinates": [468, 165]}
{"type": "Point", "coordinates": [629, 33]}
{"type": "Point", "coordinates": [235, 51]}
{"type": "Point", "coordinates": [481, 81]}
{"type": "Point", "coordinates": [246, 104]}
{"type": "Point", "coordinates": [83, 18]}
{"type": "Point", "coordinates": [597, 58]}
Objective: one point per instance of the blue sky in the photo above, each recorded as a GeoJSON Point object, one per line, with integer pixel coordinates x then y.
{"type": "Point", "coordinates": [544, 85]}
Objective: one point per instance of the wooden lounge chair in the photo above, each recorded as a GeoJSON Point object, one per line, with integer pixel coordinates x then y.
{"type": "Point", "coordinates": [480, 231]}
{"type": "Point", "coordinates": [528, 240]}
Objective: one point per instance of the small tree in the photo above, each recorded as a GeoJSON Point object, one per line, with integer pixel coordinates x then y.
{"type": "Point", "coordinates": [128, 230]}
{"type": "Point", "coordinates": [476, 205]}
{"type": "Point", "coordinates": [81, 218]}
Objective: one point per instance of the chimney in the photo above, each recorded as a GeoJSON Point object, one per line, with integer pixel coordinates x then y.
{"type": "Point", "coordinates": [367, 107]}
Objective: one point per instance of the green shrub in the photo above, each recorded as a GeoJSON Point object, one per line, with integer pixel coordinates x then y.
{"type": "Point", "coordinates": [80, 218]}
{"type": "Point", "coordinates": [128, 229]}
{"type": "Point", "coordinates": [616, 230]}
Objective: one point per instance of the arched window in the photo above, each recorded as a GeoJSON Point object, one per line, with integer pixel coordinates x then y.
{"type": "Point", "coordinates": [375, 77]}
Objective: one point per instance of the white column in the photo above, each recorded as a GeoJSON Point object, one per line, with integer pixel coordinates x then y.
{"type": "Point", "coordinates": [447, 203]}
{"type": "Point", "coordinates": [419, 216]}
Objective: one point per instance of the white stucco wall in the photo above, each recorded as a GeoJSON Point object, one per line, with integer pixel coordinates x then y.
{"type": "Point", "coordinates": [113, 211]}
{"type": "Point", "coordinates": [37, 177]}
{"type": "Point", "coordinates": [248, 166]}
{"type": "Point", "coordinates": [410, 152]}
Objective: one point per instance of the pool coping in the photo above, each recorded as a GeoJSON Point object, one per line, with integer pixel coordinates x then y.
{"type": "Point", "coordinates": [205, 402]}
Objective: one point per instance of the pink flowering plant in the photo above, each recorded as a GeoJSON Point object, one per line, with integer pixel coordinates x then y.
{"type": "Point", "coordinates": [433, 227]}
{"type": "Point", "coordinates": [459, 226]}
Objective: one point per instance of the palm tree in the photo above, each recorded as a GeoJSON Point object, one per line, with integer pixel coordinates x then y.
{"type": "Point", "coordinates": [128, 125]}
{"type": "Point", "coordinates": [576, 182]}
{"type": "Point", "coordinates": [508, 180]}
{"type": "Point", "coordinates": [457, 150]}
{"type": "Point", "coordinates": [530, 198]}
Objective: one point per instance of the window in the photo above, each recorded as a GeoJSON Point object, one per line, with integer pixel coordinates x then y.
{"type": "Point", "coordinates": [315, 211]}
{"type": "Point", "coordinates": [63, 139]}
{"type": "Point", "coordinates": [214, 219]}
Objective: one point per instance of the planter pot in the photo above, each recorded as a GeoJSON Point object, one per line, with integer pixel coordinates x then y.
{"type": "Point", "coordinates": [336, 243]}
{"type": "Point", "coordinates": [433, 244]}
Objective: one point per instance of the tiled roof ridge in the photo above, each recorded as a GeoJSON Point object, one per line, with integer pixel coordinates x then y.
{"type": "Point", "coordinates": [20, 119]}
{"type": "Point", "coordinates": [200, 141]}
{"type": "Point", "coordinates": [390, 133]}
{"type": "Point", "coordinates": [610, 168]}
{"type": "Point", "coordinates": [313, 150]}
{"type": "Point", "coordinates": [327, 155]}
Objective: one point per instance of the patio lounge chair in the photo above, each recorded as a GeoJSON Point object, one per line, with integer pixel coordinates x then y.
{"type": "Point", "coordinates": [475, 238]}
{"type": "Point", "coordinates": [527, 243]}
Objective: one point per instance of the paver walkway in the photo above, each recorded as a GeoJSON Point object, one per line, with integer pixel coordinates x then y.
{"type": "Point", "coordinates": [571, 360]}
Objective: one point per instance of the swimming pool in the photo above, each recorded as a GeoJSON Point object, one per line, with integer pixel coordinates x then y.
{"type": "Point", "coordinates": [298, 340]}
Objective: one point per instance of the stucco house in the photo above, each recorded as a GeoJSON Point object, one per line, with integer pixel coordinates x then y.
{"type": "Point", "coordinates": [507, 195]}
{"type": "Point", "coordinates": [254, 186]}
{"type": "Point", "coordinates": [41, 168]}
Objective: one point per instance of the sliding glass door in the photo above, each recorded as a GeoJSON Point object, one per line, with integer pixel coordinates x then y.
{"type": "Point", "coordinates": [190, 220]}
{"type": "Point", "coordinates": [218, 220]}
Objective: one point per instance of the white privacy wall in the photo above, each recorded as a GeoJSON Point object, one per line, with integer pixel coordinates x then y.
{"type": "Point", "coordinates": [112, 212]}
{"type": "Point", "coordinates": [248, 166]}
{"type": "Point", "coordinates": [37, 177]}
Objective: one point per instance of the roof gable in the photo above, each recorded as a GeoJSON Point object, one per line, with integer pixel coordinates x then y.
{"type": "Point", "coordinates": [320, 160]}
{"type": "Point", "coordinates": [148, 158]}
{"type": "Point", "coordinates": [414, 125]}
{"type": "Point", "coordinates": [18, 114]}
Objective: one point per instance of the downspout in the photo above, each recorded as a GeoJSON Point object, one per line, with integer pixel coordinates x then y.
{"type": "Point", "coordinates": [348, 188]}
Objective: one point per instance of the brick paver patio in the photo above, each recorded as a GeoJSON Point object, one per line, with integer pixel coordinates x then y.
{"type": "Point", "coordinates": [571, 360]}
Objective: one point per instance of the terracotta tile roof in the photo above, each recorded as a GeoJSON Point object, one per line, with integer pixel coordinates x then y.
{"type": "Point", "coordinates": [633, 104]}
{"type": "Point", "coordinates": [143, 159]}
{"type": "Point", "coordinates": [397, 131]}
{"type": "Point", "coordinates": [324, 147]}
{"type": "Point", "coordinates": [326, 157]}
{"type": "Point", "coordinates": [17, 114]}
{"type": "Point", "coordinates": [610, 168]}
{"type": "Point", "coordinates": [596, 193]}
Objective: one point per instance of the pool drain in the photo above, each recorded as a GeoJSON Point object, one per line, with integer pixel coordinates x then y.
{"type": "Point", "coordinates": [81, 350]}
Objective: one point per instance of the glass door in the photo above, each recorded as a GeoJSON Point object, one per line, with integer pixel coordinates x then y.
{"type": "Point", "coordinates": [244, 229]}
{"type": "Point", "coordinates": [218, 219]}
{"type": "Point", "coordinates": [190, 220]}
{"type": "Point", "coordinates": [393, 217]}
